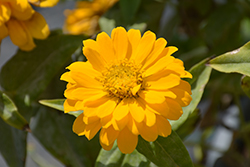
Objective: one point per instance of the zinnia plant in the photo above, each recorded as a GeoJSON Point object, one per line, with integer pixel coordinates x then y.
{"type": "Point", "coordinates": [130, 86]}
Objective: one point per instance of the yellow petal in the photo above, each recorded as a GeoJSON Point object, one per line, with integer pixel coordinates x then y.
{"type": "Point", "coordinates": [152, 97]}
{"type": "Point", "coordinates": [149, 133]}
{"type": "Point", "coordinates": [96, 101]}
{"type": "Point", "coordinates": [19, 35]}
{"type": "Point", "coordinates": [85, 80]}
{"type": "Point", "coordinates": [121, 110]}
{"type": "Point", "coordinates": [69, 105]}
{"type": "Point", "coordinates": [175, 110]}
{"type": "Point", "coordinates": [183, 97]}
{"type": "Point", "coordinates": [69, 90]}
{"type": "Point", "coordinates": [144, 47]}
{"type": "Point", "coordinates": [163, 126]}
{"type": "Point", "coordinates": [120, 124]}
{"type": "Point", "coordinates": [150, 118]}
{"type": "Point", "coordinates": [66, 77]}
{"type": "Point", "coordinates": [162, 83]}
{"type": "Point", "coordinates": [37, 26]}
{"type": "Point", "coordinates": [106, 121]}
{"type": "Point", "coordinates": [134, 37]}
{"type": "Point", "coordinates": [161, 64]}
{"type": "Point", "coordinates": [106, 108]}
{"type": "Point", "coordinates": [159, 46]}
{"type": "Point", "coordinates": [160, 109]}
{"type": "Point", "coordinates": [82, 93]}
{"type": "Point", "coordinates": [120, 42]}
{"type": "Point", "coordinates": [4, 31]}
{"type": "Point", "coordinates": [136, 110]}
{"type": "Point", "coordinates": [21, 9]}
{"type": "Point", "coordinates": [5, 13]}
{"type": "Point", "coordinates": [84, 67]}
{"type": "Point", "coordinates": [79, 105]}
{"type": "Point", "coordinates": [90, 119]}
{"type": "Point", "coordinates": [105, 147]}
{"type": "Point", "coordinates": [106, 47]}
{"type": "Point", "coordinates": [94, 58]}
{"type": "Point", "coordinates": [83, 4]}
{"type": "Point", "coordinates": [92, 129]}
{"type": "Point", "coordinates": [79, 125]}
{"type": "Point", "coordinates": [108, 136]}
{"type": "Point", "coordinates": [127, 141]}
{"type": "Point", "coordinates": [44, 4]}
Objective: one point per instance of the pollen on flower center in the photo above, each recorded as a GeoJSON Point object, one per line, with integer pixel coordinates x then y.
{"type": "Point", "coordinates": [122, 80]}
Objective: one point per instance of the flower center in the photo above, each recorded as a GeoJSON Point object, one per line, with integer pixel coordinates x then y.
{"type": "Point", "coordinates": [122, 80]}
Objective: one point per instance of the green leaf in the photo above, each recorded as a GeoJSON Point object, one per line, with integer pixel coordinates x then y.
{"type": "Point", "coordinates": [115, 158]}
{"type": "Point", "coordinates": [53, 103]}
{"type": "Point", "coordinates": [245, 85]}
{"type": "Point", "coordinates": [189, 125]}
{"type": "Point", "coordinates": [13, 145]}
{"type": "Point", "coordinates": [54, 131]}
{"type": "Point", "coordinates": [201, 74]}
{"type": "Point", "coordinates": [10, 114]}
{"type": "Point", "coordinates": [235, 61]}
{"type": "Point", "coordinates": [29, 73]}
{"type": "Point", "coordinates": [58, 104]}
{"type": "Point", "coordinates": [165, 152]}
{"type": "Point", "coordinates": [129, 9]}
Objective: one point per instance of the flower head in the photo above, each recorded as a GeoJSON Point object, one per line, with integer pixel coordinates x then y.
{"type": "Point", "coordinates": [22, 23]}
{"type": "Point", "coordinates": [130, 86]}
{"type": "Point", "coordinates": [84, 19]}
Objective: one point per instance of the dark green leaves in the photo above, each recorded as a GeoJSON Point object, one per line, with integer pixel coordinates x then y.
{"type": "Point", "coordinates": [54, 131]}
{"type": "Point", "coordinates": [12, 145]}
{"type": "Point", "coordinates": [165, 152]}
{"type": "Point", "coordinates": [114, 158]}
{"type": "Point", "coordinates": [235, 61]}
{"type": "Point", "coordinates": [129, 9]}
{"type": "Point", "coordinates": [10, 114]}
{"type": "Point", "coordinates": [245, 85]}
{"type": "Point", "coordinates": [31, 72]}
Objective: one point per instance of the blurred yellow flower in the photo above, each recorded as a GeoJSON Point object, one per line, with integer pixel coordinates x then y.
{"type": "Point", "coordinates": [44, 3]}
{"type": "Point", "coordinates": [130, 86]}
{"type": "Point", "coordinates": [22, 23]}
{"type": "Point", "coordinates": [84, 19]}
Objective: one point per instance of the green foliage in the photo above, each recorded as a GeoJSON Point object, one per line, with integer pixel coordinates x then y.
{"type": "Point", "coordinates": [13, 145]}
{"type": "Point", "coordinates": [245, 85]}
{"type": "Point", "coordinates": [114, 158]}
{"type": "Point", "coordinates": [165, 152]}
{"type": "Point", "coordinates": [234, 61]}
{"type": "Point", "coordinates": [54, 130]}
{"type": "Point", "coordinates": [10, 114]}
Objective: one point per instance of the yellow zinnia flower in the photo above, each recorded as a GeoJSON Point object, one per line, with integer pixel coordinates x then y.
{"type": "Point", "coordinates": [84, 19]}
{"type": "Point", "coordinates": [130, 86]}
{"type": "Point", "coordinates": [22, 23]}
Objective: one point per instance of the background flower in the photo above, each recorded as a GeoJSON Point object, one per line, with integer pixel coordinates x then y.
{"type": "Point", "coordinates": [84, 19]}
{"type": "Point", "coordinates": [22, 23]}
{"type": "Point", "coordinates": [130, 86]}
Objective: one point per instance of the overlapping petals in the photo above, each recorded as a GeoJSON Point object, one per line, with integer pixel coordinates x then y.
{"type": "Point", "coordinates": [130, 86]}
